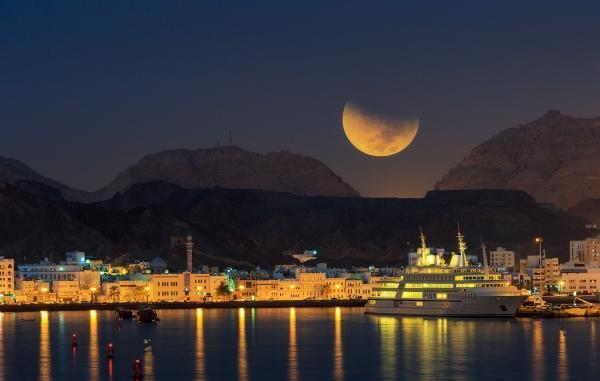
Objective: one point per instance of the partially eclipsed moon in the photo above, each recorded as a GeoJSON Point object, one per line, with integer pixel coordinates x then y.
{"type": "Point", "coordinates": [377, 136]}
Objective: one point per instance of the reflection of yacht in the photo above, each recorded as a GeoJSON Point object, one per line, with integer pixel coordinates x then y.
{"type": "Point", "coordinates": [434, 288]}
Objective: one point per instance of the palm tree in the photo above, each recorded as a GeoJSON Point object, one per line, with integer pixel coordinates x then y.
{"type": "Point", "coordinates": [114, 294]}
{"type": "Point", "coordinates": [139, 295]}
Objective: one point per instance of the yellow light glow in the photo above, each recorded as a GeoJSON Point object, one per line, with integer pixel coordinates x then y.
{"type": "Point", "coordinates": [429, 285]}
{"type": "Point", "coordinates": [441, 295]}
{"type": "Point", "coordinates": [412, 295]}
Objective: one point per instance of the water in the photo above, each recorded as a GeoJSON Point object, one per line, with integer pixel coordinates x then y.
{"type": "Point", "coordinates": [296, 344]}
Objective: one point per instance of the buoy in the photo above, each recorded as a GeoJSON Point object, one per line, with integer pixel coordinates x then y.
{"type": "Point", "coordinates": [110, 351]}
{"type": "Point", "coordinates": [137, 370]}
{"type": "Point", "coordinates": [74, 341]}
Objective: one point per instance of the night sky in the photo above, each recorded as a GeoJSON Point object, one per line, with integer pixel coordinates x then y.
{"type": "Point", "coordinates": [89, 87]}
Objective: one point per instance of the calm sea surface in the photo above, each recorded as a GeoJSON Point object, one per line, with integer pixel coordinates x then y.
{"type": "Point", "coordinates": [296, 344]}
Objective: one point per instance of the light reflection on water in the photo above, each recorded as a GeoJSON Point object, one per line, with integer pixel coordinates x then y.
{"type": "Point", "coordinates": [200, 376]}
{"type": "Point", "coordinates": [242, 352]}
{"type": "Point", "coordinates": [45, 356]}
{"type": "Point", "coordinates": [293, 348]}
{"type": "Point", "coordinates": [296, 344]}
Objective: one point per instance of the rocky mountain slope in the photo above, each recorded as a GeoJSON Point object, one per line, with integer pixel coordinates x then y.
{"type": "Point", "coordinates": [226, 167]}
{"type": "Point", "coordinates": [13, 171]}
{"type": "Point", "coordinates": [253, 227]}
{"type": "Point", "coordinates": [554, 158]}
{"type": "Point", "coordinates": [234, 168]}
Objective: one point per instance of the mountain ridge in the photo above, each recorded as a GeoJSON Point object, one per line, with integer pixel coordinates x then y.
{"type": "Point", "coordinates": [553, 158]}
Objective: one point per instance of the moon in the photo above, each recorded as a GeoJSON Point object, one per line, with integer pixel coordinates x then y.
{"type": "Point", "coordinates": [375, 135]}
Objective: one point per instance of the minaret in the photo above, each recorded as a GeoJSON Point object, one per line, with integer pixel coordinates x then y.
{"type": "Point", "coordinates": [484, 254]}
{"type": "Point", "coordinates": [462, 248]}
{"type": "Point", "coordinates": [189, 247]}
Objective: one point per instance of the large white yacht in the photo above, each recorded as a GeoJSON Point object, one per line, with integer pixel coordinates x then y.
{"type": "Point", "coordinates": [433, 287]}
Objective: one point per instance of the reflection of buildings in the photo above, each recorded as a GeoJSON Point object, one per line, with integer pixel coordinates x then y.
{"type": "Point", "coordinates": [45, 361]}
{"type": "Point", "coordinates": [199, 345]}
{"type": "Point", "coordinates": [242, 351]}
{"type": "Point", "coordinates": [293, 348]}
{"type": "Point", "coordinates": [338, 349]}
{"type": "Point", "coordinates": [93, 347]}
{"type": "Point", "coordinates": [387, 336]}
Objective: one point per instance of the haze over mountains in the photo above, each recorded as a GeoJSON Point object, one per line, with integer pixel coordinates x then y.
{"type": "Point", "coordinates": [554, 158]}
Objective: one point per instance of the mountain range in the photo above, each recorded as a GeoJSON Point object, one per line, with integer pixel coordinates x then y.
{"type": "Point", "coordinates": [247, 228]}
{"type": "Point", "coordinates": [553, 158]}
{"type": "Point", "coordinates": [228, 167]}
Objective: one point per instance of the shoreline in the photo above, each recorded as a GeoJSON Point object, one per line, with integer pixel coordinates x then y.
{"type": "Point", "coordinates": [34, 307]}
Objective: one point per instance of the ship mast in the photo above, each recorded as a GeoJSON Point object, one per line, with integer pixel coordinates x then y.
{"type": "Point", "coordinates": [424, 250]}
{"type": "Point", "coordinates": [462, 248]}
{"type": "Point", "coordinates": [484, 254]}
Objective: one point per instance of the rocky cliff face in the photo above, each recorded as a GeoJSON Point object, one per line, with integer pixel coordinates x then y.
{"type": "Point", "coordinates": [234, 168]}
{"type": "Point", "coordinates": [554, 158]}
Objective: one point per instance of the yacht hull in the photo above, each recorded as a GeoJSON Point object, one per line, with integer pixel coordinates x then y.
{"type": "Point", "coordinates": [483, 306]}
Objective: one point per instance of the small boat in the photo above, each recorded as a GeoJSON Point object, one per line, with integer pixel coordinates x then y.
{"type": "Point", "coordinates": [147, 315]}
{"type": "Point", "coordinates": [124, 314]}
{"type": "Point", "coordinates": [569, 311]}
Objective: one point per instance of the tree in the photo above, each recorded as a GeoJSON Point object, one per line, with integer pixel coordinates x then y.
{"type": "Point", "coordinates": [223, 290]}
{"type": "Point", "coordinates": [114, 294]}
{"type": "Point", "coordinates": [139, 295]}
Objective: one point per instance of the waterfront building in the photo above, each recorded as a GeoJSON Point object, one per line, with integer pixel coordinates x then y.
{"type": "Point", "coordinates": [502, 259]}
{"type": "Point", "coordinates": [203, 286]}
{"type": "Point", "coordinates": [581, 281]}
{"type": "Point", "coordinates": [125, 291]}
{"type": "Point", "coordinates": [7, 278]}
{"type": "Point", "coordinates": [66, 290]}
{"type": "Point", "coordinates": [167, 288]}
{"type": "Point", "coordinates": [51, 272]}
{"type": "Point", "coordinates": [33, 291]}
{"type": "Point", "coordinates": [271, 289]}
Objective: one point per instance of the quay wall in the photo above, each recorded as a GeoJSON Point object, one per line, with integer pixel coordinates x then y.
{"type": "Point", "coordinates": [182, 305]}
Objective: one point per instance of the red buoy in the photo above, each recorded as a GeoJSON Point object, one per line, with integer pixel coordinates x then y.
{"type": "Point", "coordinates": [110, 351]}
{"type": "Point", "coordinates": [74, 341]}
{"type": "Point", "coordinates": [137, 370]}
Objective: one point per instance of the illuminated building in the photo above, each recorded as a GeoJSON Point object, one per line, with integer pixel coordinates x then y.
{"type": "Point", "coordinates": [7, 278]}
{"type": "Point", "coordinates": [502, 259]}
{"type": "Point", "coordinates": [167, 288]}
{"type": "Point", "coordinates": [33, 291]}
{"type": "Point", "coordinates": [586, 251]}
{"type": "Point", "coordinates": [585, 280]}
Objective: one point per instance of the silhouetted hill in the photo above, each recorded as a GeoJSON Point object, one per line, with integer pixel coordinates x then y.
{"type": "Point", "coordinates": [252, 227]}
{"type": "Point", "coordinates": [554, 158]}
{"type": "Point", "coordinates": [233, 168]}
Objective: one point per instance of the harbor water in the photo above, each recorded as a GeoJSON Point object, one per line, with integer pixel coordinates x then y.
{"type": "Point", "coordinates": [295, 344]}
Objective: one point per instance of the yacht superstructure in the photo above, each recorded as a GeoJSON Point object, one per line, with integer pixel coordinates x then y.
{"type": "Point", "coordinates": [435, 288]}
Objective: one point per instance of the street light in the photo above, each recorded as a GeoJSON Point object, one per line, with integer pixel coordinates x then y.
{"type": "Point", "coordinates": [147, 288]}
{"type": "Point", "coordinates": [92, 289]}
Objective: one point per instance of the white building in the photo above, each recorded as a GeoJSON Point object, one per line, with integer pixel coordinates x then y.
{"type": "Point", "coordinates": [586, 251]}
{"type": "Point", "coordinates": [502, 258]}
{"type": "Point", "coordinates": [581, 280]}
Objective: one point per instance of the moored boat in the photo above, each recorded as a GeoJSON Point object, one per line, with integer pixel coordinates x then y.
{"type": "Point", "coordinates": [433, 287]}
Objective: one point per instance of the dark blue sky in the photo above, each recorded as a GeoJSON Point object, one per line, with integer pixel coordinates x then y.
{"type": "Point", "coordinates": [89, 87]}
